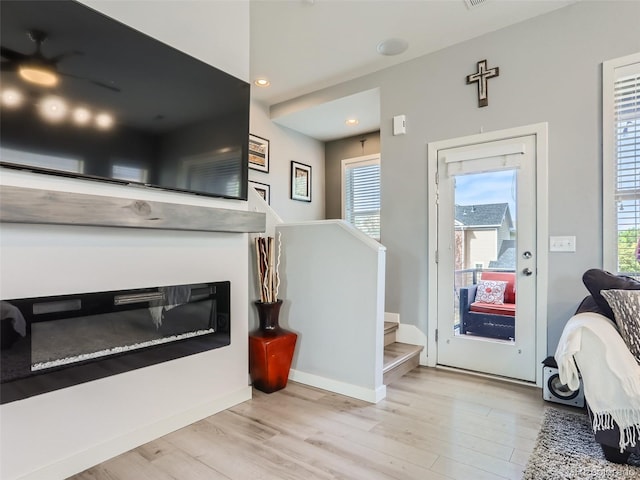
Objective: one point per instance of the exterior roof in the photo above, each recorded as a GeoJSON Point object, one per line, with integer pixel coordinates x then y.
{"type": "Point", "coordinates": [505, 245]}
{"type": "Point", "coordinates": [506, 260]}
{"type": "Point", "coordinates": [488, 215]}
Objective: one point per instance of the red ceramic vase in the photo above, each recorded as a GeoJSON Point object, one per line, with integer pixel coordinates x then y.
{"type": "Point", "coordinates": [270, 350]}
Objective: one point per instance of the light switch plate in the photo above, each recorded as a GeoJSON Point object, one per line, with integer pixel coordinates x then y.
{"type": "Point", "coordinates": [562, 244]}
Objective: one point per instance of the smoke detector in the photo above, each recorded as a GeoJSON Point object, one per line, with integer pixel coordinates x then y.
{"type": "Point", "coordinates": [392, 46]}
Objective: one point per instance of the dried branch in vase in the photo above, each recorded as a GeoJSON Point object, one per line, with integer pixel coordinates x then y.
{"type": "Point", "coordinates": [268, 263]}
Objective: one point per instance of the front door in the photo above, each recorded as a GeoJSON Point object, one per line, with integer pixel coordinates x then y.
{"type": "Point", "coordinates": [487, 257]}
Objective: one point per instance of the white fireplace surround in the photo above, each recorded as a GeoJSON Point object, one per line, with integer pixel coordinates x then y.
{"type": "Point", "coordinates": [59, 433]}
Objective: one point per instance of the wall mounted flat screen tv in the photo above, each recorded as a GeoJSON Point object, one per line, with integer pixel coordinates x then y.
{"type": "Point", "coordinates": [83, 95]}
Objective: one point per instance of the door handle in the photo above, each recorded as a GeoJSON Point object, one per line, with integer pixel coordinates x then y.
{"type": "Point", "coordinates": [527, 272]}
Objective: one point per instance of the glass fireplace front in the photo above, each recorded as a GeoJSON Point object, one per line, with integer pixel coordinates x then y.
{"type": "Point", "coordinates": [53, 342]}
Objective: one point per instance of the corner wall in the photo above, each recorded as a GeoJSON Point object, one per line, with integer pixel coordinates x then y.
{"type": "Point", "coordinates": [286, 145]}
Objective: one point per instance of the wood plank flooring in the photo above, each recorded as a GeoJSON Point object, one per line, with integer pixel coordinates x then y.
{"type": "Point", "coordinates": [434, 424]}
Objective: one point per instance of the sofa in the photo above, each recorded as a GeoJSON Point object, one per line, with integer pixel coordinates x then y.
{"type": "Point", "coordinates": [596, 346]}
{"type": "Point", "coordinates": [493, 320]}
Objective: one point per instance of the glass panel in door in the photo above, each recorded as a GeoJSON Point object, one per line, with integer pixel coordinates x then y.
{"type": "Point", "coordinates": [485, 254]}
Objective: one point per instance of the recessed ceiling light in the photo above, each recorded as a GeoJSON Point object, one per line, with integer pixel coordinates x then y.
{"type": "Point", "coordinates": [392, 46]}
{"type": "Point", "coordinates": [104, 121]}
{"type": "Point", "coordinates": [352, 121]}
{"type": "Point", "coordinates": [53, 108]}
{"type": "Point", "coordinates": [262, 82]}
{"type": "Point", "coordinates": [81, 116]}
{"type": "Point", "coordinates": [11, 98]}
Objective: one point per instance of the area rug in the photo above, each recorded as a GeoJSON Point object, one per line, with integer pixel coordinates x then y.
{"type": "Point", "coordinates": [566, 450]}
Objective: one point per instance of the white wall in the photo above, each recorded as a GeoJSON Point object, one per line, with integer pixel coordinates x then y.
{"type": "Point", "coordinates": [550, 71]}
{"type": "Point", "coordinates": [482, 247]}
{"type": "Point", "coordinates": [286, 145]}
{"type": "Point", "coordinates": [59, 433]}
{"type": "Point", "coordinates": [335, 305]}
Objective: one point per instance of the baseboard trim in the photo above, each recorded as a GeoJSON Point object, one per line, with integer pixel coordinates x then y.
{"type": "Point", "coordinates": [413, 336]}
{"type": "Point", "coordinates": [113, 447]}
{"type": "Point", "coordinates": [367, 394]}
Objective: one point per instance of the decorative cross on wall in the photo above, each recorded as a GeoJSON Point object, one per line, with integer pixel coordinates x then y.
{"type": "Point", "coordinates": [482, 76]}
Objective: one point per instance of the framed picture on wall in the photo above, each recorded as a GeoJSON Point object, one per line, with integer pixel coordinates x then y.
{"type": "Point", "coordinates": [300, 182]}
{"type": "Point", "coordinates": [258, 153]}
{"type": "Point", "coordinates": [263, 190]}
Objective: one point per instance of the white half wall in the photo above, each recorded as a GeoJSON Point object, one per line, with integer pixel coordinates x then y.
{"type": "Point", "coordinates": [333, 292]}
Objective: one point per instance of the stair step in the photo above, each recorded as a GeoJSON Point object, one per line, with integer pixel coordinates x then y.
{"type": "Point", "coordinates": [399, 358]}
{"type": "Point", "coordinates": [390, 327]}
{"type": "Point", "coordinates": [390, 332]}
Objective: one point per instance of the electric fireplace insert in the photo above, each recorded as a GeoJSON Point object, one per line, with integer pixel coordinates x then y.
{"type": "Point", "coordinates": [48, 343]}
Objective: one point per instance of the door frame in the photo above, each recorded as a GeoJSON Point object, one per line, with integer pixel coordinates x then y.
{"type": "Point", "coordinates": [540, 131]}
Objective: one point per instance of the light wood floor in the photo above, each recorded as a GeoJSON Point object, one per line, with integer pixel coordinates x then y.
{"type": "Point", "coordinates": [434, 424]}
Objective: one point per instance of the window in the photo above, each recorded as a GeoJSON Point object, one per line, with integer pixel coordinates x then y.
{"type": "Point", "coordinates": [131, 174]}
{"type": "Point", "coordinates": [49, 162]}
{"type": "Point", "coordinates": [361, 193]}
{"type": "Point", "coordinates": [212, 172]}
{"type": "Point", "coordinates": [621, 164]}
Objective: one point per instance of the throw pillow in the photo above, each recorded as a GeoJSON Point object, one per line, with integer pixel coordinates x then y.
{"type": "Point", "coordinates": [597, 280]}
{"type": "Point", "coordinates": [626, 309]}
{"type": "Point", "coordinates": [491, 291]}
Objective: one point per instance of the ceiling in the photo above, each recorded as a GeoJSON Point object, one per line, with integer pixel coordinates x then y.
{"type": "Point", "coordinates": [305, 45]}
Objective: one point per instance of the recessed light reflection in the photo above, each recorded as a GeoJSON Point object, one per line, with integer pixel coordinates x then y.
{"type": "Point", "coordinates": [352, 121]}
{"type": "Point", "coordinates": [81, 116]}
{"type": "Point", "coordinates": [11, 98]}
{"type": "Point", "coordinates": [53, 108]}
{"type": "Point", "coordinates": [104, 121]}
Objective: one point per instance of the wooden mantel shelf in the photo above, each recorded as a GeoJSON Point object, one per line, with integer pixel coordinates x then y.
{"type": "Point", "coordinates": [30, 205]}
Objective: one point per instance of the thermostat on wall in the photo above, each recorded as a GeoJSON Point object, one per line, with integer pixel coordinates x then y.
{"type": "Point", "coordinates": [399, 125]}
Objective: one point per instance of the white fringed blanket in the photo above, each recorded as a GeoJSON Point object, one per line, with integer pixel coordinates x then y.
{"type": "Point", "coordinates": [610, 374]}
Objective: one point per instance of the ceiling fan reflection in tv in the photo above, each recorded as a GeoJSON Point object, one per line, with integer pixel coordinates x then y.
{"type": "Point", "coordinates": [38, 69]}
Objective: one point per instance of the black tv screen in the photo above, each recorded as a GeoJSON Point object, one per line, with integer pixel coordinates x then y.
{"type": "Point", "coordinates": [83, 95]}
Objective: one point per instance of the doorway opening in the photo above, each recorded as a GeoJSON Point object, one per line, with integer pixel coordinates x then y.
{"type": "Point", "coordinates": [487, 276]}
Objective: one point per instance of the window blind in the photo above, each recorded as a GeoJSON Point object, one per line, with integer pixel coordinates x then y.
{"type": "Point", "coordinates": [627, 176]}
{"type": "Point", "coordinates": [132, 174]}
{"type": "Point", "coordinates": [362, 196]}
{"type": "Point", "coordinates": [208, 172]}
{"type": "Point", "coordinates": [223, 173]}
